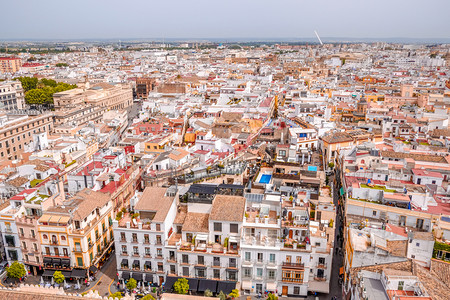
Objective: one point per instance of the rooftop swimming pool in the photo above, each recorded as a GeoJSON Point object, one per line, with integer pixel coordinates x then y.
{"type": "Point", "coordinates": [265, 178]}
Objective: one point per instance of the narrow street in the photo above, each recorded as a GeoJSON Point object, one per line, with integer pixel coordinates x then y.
{"type": "Point", "coordinates": [105, 276]}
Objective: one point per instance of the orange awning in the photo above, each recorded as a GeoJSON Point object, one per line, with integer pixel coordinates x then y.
{"type": "Point", "coordinates": [341, 270]}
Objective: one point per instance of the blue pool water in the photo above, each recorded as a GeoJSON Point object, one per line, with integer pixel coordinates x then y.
{"type": "Point", "coordinates": [265, 178]}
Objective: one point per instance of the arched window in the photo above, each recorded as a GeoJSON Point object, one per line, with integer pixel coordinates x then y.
{"type": "Point", "coordinates": [45, 237]}
{"type": "Point", "coordinates": [63, 238]}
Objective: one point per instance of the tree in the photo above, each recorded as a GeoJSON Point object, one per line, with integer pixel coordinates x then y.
{"type": "Point", "coordinates": [28, 83]}
{"type": "Point", "coordinates": [208, 293]}
{"type": "Point", "coordinates": [222, 296]}
{"type": "Point", "coordinates": [131, 284]}
{"type": "Point", "coordinates": [58, 277]}
{"type": "Point", "coordinates": [117, 295]}
{"type": "Point", "coordinates": [181, 286]}
{"type": "Point", "coordinates": [331, 165]}
{"type": "Point", "coordinates": [59, 65]}
{"type": "Point", "coordinates": [16, 270]}
{"type": "Point", "coordinates": [234, 294]}
{"type": "Point", "coordinates": [272, 297]}
{"type": "Point", "coordinates": [148, 297]}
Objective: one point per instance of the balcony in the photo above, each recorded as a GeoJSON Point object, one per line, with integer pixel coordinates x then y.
{"type": "Point", "coordinates": [134, 241]}
{"type": "Point", "coordinates": [232, 265]}
{"type": "Point", "coordinates": [172, 259]}
{"type": "Point", "coordinates": [124, 253]}
{"type": "Point", "coordinates": [291, 265]}
{"type": "Point", "coordinates": [321, 278]}
{"type": "Point", "coordinates": [321, 266]}
{"type": "Point", "coordinates": [288, 279]}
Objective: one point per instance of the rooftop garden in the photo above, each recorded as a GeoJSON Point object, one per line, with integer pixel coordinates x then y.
{"type": "Point", "coordinates": [35, 182]}
{"type": "Point", "coordinates": [378, 187]}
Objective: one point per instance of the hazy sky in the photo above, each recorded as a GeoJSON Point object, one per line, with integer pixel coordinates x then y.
{"type": "Point", "coordinates": [77, 19]}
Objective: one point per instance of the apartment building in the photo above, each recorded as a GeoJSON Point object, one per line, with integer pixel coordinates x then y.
{"type": "Point", "coordinates": [11, 95]}
{"type": "Point", "coordinates": [17, 132]}
{"type": "Point", "coordinates": [140, 239]}
{"type": "Point", "coordinates": [10, 64]}
{"type": "Point", "coordinates": [144, 85]}
{"type": "Point", "coordinates": [77, 235]}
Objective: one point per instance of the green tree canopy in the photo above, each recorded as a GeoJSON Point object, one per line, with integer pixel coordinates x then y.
{"type": "Point", "coordinates": [28, 83]}
{"type": "Point", "coordinates": [59, 65]}
{"type": "Point", "coordinates": [148, 297]}
{"type": "Point", "coordinates": [117, 295]}
{"type": "Point", "coordinates": [131, 284]}
{"type": "Point", "coordinates": [16, 270]}
{"type": "Point", "coordinates": [208, 293]}
{"type": "Point", "coordinates": [41, 92]}
{"type": "Point", "coordinates": [58, 277]}
{"type": "Point", "coordinates": [181, 286]}
{"type": "Point", "coordinates": [234, 293]}
{"type": "Point", "coordinates": [222, 296]}
{"type": "Point", "coordinates": [272, 297]}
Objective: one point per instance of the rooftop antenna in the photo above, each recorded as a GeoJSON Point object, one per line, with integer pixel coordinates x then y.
{"type": "Point", "coordinates": [318, 37]}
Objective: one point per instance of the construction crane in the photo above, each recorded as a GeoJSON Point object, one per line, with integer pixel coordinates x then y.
{"type": "Point", "coordinates": [318, 37]}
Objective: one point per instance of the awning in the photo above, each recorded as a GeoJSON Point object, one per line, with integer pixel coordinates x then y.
{"type": "Point", "coordinates": [47, 260]}
{"type": "Point", "coordinates": [124, 262]}
{"type": "Point", "coordinates": [341, 270]}
{"type": "Point", "coordinates": [206, 284]}
{"type": "Point", "coordinates": [168, 284]}
{"type": "Point", "coordinates": [65, 262]}
{"type": "Point", "coordinates": [137, 276]}
{"type": "Point", "coordinates": [199, 267]}
{"type": "Point", "coordinates": [78, 273]}
{"type": "Point", "coordinates": [66, 273]}
{"type": "Point", "coordinates": [93, 269]}
{"type": "Point", "coordinates": [48, 273]}
{"type": "Point", "coordinates": [148, 263]}
{"type": "Point", "coordinates": [149, 277]}
{"type": "Point", "coordinates": [44, 218]}
{"type": "Point", "coordinates": [193, 284]}
{"type": "Point", "coordinates": [201, 237]}
{"type": "Point", "coordinates": [125, 275]}
{"type": "Point", "coordinates": [271, 286]}
{"type": "Point", "coordinates": [226, 286]}
{"type": "Point", "coordinates": [136, 263]}
{"type": "Point", "coordinates": [56, 261]}
{"type": "Point", "coordinates": [233, 239]}
{"type": "Point", "coordinates": [246, 285]}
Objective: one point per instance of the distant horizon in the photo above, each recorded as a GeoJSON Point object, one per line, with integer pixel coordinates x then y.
{"type": "Point", "coordinates": [232, 19]}
{"type": "Point", "coordinates": [325, 39]}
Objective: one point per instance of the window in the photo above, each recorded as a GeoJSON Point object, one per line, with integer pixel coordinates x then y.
{"type": "Point", "coordinates": [158, 240]}
{"type": "Point", "coordinates": [296, 290]}
{"type": "Point", "coordinates": [185, 259]}
{"type": "Point", "coordinates": [248, 256]}
{"type": "Point", "coordinates": [247, 272]}
{"type": "Point", "coordinates": [259, 272]}
{"type": "Point", "coordinates": [122, 237]}
{"type": "Point", "coordinates": [147, 251]}
{"type": "Point", "coordinates": [124, 249]}
{"type": "Point", "coordinates": [160, 267]}
{"type": "Point", "coordinates": [201, 260]}
{"type": "Point", "coordinates": [80, 261]}
{"type": "Point", "coordinates": [136, 250]}
{"type": "Point", "coordinates": [216, 273]}
{"type": "Point", "coordinates": [272, 257]}
{"type": "Point", "coordinates": [159, 252]}
{"type": "Point", "coordinates": [146, 239]}
{"type": "Point", "coordinates": [63, 238]}
{"type": "Point", "coordinates": [21, 231]}
{"type": "Point", "coordinates": [185, 271]}
{"type": "Point", "coordinates": [135, 238]}
{"type": "Point", "coordinates": [45, 237]}
{"type": "Point", "coordinates": [260, 257]}
{"type": "Point", "coordinates": [417, 244]}
{"type": "Point", "coordinates": [234, 228]}
{"type": "Point", "coordinates": [282, 153]}
{"type": "Point", "coordinates": [271, 274]}
{"type": "Point", "coordinates": [216, 261]}
{"type": "Point", "coordinates": [218, 227]}
{"type": "Point", "coordinates": [374, 213]}
{"type": "Point", "coordinates": [400, 285]}
{"type": "Point", "coordinates": [35, 247]}
{"type": "Point", "coordinates": [158, 227]}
